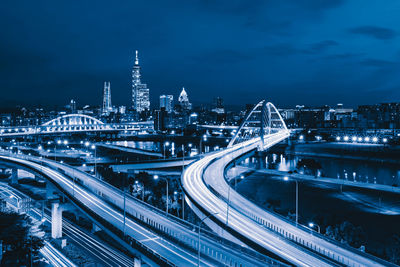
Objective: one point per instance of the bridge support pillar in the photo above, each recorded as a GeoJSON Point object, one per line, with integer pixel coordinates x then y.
{"type": "Point", "coordinates": [137, 262]}
{"type": "Point", "coordinates": [14, 176]}
{"type": "Point", "coordinates": [56, 220]}
{"type": "Point", "coordinates": [260, 157]}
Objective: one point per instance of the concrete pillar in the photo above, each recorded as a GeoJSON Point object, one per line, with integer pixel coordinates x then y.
{"type": "Point", "coordinates": [260, 158]}
{"type": "Point", "coordinates": [56, 220]}
{"type": "Point", "coordinates": [137, 262]}
{"type": "Point", "coordinates": [14, 176]}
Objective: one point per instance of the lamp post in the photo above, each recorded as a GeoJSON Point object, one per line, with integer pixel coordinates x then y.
{"type": "Point", "coordinates": [190, 148]}
{"type": "Point", "coordinates": [95, 160]}
{"type": "Point", "coordinates": [183, 158]}
{"type": "Point", "coordinates": [204, 138]}
{"type": "Point", "coordinates": [165, 144]}
{"type": "Point", "coordinates": [124, 210]}
{"type": "Point", "coordinates": [182, 194]}
{"type": "Point", "coordinates": [142, 185]}
{"type": "Point", "coordinates": [227, 206]}
{"type": "Point", "coordinates": [55, 149]}
{"type": "Point", "coordinates": [286, 178]}
{"type": "Point", "coordinates": [198, 251]}
{"type": "Point", "coordinates": [312, 225]}
{"type": "Point", "coordinates": [156, 177]}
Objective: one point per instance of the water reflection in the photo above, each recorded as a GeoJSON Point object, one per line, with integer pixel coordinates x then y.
{"type": "Point", "coordinates": [347, 169]}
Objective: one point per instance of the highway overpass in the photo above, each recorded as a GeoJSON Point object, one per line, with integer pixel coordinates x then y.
{"type": "Point", "coordinates": [173, 240]}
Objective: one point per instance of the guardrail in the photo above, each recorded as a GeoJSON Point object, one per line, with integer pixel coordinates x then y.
{"type": "Point", "coordinates": [185, 235]}
{"type": "Point", "coordinates": [312, 246]}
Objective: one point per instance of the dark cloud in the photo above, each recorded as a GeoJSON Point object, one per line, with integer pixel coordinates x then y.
{"type": "Point", "coordinates": [287, 49]}
{"type": "Point", "coordinates": [53, 51]}
{"type": "Point", "coordinates": [224, 56]}
{"type": "Point", "coordinates": [370, 62]}
{"type": "Point", "coordinates": [376, 32]}
{"type": "Point", "coordinates": [323, 45]}
{"type": "Point", "coordinates": [283, 49]}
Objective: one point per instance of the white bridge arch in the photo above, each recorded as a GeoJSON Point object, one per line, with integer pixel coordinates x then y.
{"type": "Point", "coordinates": [263, 120]}
{"type": "Point", "coordinates": [76, 123]}
{"type": "Point", "coordinates": [73, 120]}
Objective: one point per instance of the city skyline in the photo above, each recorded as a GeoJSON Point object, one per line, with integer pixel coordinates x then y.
{"type": "Point", "coordinates": [271, 50]}
{"type": "Point", "coordinates": [200, 133]}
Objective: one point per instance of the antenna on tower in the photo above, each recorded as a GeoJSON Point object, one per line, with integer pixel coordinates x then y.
{"type": "Point", "coordinates": [137, 58]}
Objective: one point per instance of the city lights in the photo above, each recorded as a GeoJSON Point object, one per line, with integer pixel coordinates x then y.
{"type": "Point", "coordinates": [362, 139]}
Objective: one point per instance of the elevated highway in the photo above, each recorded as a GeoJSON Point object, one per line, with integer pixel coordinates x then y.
{"type": "Point", "coordinates": [245, 223]}
{"type": "Point", "coordinates": [173, 240]}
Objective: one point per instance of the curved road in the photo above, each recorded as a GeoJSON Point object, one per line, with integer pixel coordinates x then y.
{"type": "Point", "coordinates": [101, 194]}
{"type": "Point", "coordinates": [204, 184]}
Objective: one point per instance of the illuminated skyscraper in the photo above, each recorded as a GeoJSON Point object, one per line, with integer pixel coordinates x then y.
{"type": "Point", "coordinates": [184, 100]}
{"type": "Point", "coordinates": [166, 101]}
{"type": "Point", "coordinates": [107, 107]}
{"type": "Point", "coordinates": [140, 92]}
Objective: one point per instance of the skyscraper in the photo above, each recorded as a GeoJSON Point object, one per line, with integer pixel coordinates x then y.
{"type": "Point", "coordinates": [72, 106]}
{"type": "Point", "coordinates": [166, 101]}
{"type": "Point", "coordinates": [107, 107]}
{"type": "Point", "coordinates": [140, 92]}
{"type": "Point", "coordinates": [184, 100]}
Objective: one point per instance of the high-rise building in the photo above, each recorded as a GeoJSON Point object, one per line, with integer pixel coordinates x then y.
{"type": "Point", "coordinates": [107, 107]}
{"type": "Point", "coordinates": [166, 101]}
{"type": "Point", "coordinates": [184, 100]}
{"type": "Point", "coordinates": [218, 105]}
{"type": "Point", "coordinates": [72, 106]}
{"type": "Point", "coordinates": [140, 92]}
{"type": "Point", "coordinates": [159, 119]}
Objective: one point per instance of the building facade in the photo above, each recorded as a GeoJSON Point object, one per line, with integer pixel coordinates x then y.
{"type": "Point", "coordinates": [184, 100]}
{"type": "Point", "coordinates": [107, 107]}
{"type": "Point", "coordinates": [140, 92]}
{"type": "Point", "coordinates": [166, 101]}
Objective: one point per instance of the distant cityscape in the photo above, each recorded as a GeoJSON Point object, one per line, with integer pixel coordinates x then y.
{"type": "Point", "coordinates": [172, 115]}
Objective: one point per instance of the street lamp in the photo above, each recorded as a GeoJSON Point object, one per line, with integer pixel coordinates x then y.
{"type": "Point", "coordinates": [156, 177]}
{"type": "Point", "coordinates": [95, 159]}
{"type": "Point", "coordinates": [124, 210]}
{"type": "Point", "coordinates": [142, 185]}
{"type": "Point", "coordinates": [198, 251]}
{"type": "Point", "coordinates": [286, 178]}
{"type": "Point", "coordinates": [182, 194]}
{"type": "Point", "coordinates": [58, 142]}
{"type": "Point", "coordinates": [204, 138]}
{"type": "Point", "coordinates": [312, 225]}
{"type": "Point", "coordinates": [165, 144]}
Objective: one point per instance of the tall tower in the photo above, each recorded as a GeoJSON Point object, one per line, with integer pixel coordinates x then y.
{"type": "Point", "coordinates": [183, 100]}
{"type": "Point", "coordinates": [140, 92]}
{"type": "Point", "coordinates": [107, 107]}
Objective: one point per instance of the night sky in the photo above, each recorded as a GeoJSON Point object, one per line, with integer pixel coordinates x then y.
{"type": "Point", "coordinates": [310, 52]}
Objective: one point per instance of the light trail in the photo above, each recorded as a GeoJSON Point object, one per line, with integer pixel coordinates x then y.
{"type": "Point", "coordinates": [253, 225]}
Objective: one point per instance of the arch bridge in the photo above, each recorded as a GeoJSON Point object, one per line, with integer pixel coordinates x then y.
{"type": "Point", "coordinates": [71, 123]}
{"type": "Point", "coordinates": [262, 122]}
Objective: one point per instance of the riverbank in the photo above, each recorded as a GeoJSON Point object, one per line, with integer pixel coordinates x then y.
{"type": "Point", "coordinates": [368, 152]}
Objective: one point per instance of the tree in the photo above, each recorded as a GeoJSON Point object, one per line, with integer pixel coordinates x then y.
{"type": "Point", "coordinates": [347, 233]}
{"type": "Point", "coordinates": [21, 238]}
